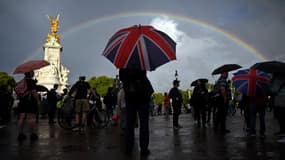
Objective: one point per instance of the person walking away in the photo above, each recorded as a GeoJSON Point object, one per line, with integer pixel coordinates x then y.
{"type": "Point", "coordinates": [138, 91]}
{"type": "Point", "coordinates": [28, 107]}
{"type": "Point", "coordinates": [80, 88]}
{"type": "Point", "coordinates": [222, 109]}
{"type": "Point", "coordinates": [278, 97]}
{"type": "Point", "coordinates": [200, 101]}
{"type": "Point", "coordinates": [159, 109]}
{"type": "Point", "coordinates": [176, 101]}
{"type": "Point", "coordinates": [52, 98]}
{"type": "Point", "coordinates": [166, 103]}
{"type": "Point", "coordinates": [211, 107]}
{"type": "Point", "coordinates": [256, 106]}
{"type": "Point", "coordinates": [110, 101]}
{"type": "Point", "coordinates": [219, 86]}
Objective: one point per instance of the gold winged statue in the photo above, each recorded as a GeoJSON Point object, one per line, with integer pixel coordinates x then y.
{"type": "Point", "coordinates": [53, 29]}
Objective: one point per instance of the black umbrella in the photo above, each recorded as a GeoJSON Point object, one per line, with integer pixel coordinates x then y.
{"type": "Point", "coordinates": [276, 67]}
{"type": "Point", "coordinates": [226, 68]}
{"type": "Point", "coordinates": [41, 88]}
{"type": "Point", "coordinates": [202, 80]}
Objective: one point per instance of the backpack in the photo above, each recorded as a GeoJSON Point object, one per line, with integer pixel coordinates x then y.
{"type": "Point", "coordinates": [21, 88]}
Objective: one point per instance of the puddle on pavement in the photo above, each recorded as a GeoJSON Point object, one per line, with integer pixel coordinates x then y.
{"type": "Point", "coordinates": [87, 148]}
{"type": "Point", "coordinates": [186, 150]}
{"type": "Point", "coordinates": [79, 148]}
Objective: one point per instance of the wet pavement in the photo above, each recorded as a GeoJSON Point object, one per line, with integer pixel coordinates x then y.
{"type": "Point", "coordinates": [189, 142]}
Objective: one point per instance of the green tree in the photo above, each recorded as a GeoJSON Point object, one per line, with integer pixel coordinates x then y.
{"type": "Point", "coordinates": [158, 98]}
{"type": "Point", "coordinates": [101, 84]}
{"type": "Point", "coordinates": [7, 81]}
{"type": "Point", "coordinates": [185, 97]}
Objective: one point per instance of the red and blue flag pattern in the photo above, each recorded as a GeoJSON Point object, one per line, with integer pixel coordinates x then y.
{"type": "Point", "coordinates": [252, 82]}
{"type": "Point", "coordinates": [140, 47]}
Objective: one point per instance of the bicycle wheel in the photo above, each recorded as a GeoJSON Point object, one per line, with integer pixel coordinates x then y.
{"type": "Point", "coordinates": [65, 120]}
{"type": "Point", "coordinates": [96, 118]}
{"type": "Point", "coordinates": [93, 119]}
{"type": "Point", "coordinates": [104, 117]}
{"type": "Point", "coordinates": [65, 115]}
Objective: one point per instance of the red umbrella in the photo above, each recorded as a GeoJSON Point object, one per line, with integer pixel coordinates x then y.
{"type": "Point", "coordinates": [30, 66]}
{"type": "Point", "coordinates": [140, 47]}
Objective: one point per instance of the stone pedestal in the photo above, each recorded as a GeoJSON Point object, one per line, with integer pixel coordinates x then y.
{"type": "Point", "coordinates": [55, 73]}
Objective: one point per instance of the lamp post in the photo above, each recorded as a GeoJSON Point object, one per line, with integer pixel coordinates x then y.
{"type": "Point", "coordinates": [176, 75]}
{"type": "Point", "coordinates": [116, 83]}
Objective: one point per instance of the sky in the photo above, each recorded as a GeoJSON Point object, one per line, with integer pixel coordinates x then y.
{"type": "Point", "coordinates": [208, 33]}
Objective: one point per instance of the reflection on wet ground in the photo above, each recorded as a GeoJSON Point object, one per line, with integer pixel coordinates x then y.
{"type": "Point", "coordinates": [189, 142]}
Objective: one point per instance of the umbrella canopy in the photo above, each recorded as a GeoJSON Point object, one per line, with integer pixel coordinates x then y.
{"type": "Point", "coordinates": [140, 47]}
{"type": "Point", "coordinates": [252, 82]}
{"type": "Point", "coordinates": [226, 68]}
{"type": "Point", "coordinates": [30, 66]}
{"type": "Point", "coordinates": [41, 88]}
{"type": "Point", "coordinates": [202, 80]}
{"type": "Point", "coordinates": [275, 67]}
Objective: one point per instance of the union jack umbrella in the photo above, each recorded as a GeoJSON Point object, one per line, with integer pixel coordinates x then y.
{"type": "Point", "coordinates": [140, 47]}
{"type": "Point", "coordinates": [252, 82]}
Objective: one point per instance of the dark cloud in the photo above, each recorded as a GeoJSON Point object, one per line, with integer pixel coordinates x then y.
{"type": "Point", "coordinates": [24, 26]}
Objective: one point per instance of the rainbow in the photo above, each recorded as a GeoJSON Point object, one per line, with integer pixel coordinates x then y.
{"type": "Point", "coordinates": [252, 50]}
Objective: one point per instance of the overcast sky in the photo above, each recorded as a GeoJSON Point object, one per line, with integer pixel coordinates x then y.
{"type": "Point", "coordinates": [200, 49]}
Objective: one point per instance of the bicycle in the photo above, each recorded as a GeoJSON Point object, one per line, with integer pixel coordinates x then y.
{"type": "Point", "coordinates": [66, 115]}
{"type": "Point", "coordinates": [97, 117]}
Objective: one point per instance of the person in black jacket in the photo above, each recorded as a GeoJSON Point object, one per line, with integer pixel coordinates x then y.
{"type": "Point", "coordinates": [200, 101]}
{"type": "Point", "coordinates": [52, 98]}
{"type": "Point", "coordinates": [110, 101]}
{"type": "Point", "coordinates": [138, 91]}
{"type": "Point", "coordinates": [176, 101]}
{"type": "Point", "coordinates": [222, 109]}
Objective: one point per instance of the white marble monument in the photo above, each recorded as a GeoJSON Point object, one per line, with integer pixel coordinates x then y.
{"type": "Point", "coordinates": [55, 73]}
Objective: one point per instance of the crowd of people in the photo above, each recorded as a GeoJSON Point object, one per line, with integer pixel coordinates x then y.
{"type": "Point", "coordinates": [133, 98]}
{"type": "Point", "coordinates": [220, 102]}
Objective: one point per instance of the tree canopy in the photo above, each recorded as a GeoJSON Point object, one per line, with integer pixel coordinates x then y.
{"type": "Point", "coordinates": [158, 98]}
{"type": "Point", "coordinates": [101, 84]}
{"type": "Point", "coordinates": [7, 81]}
